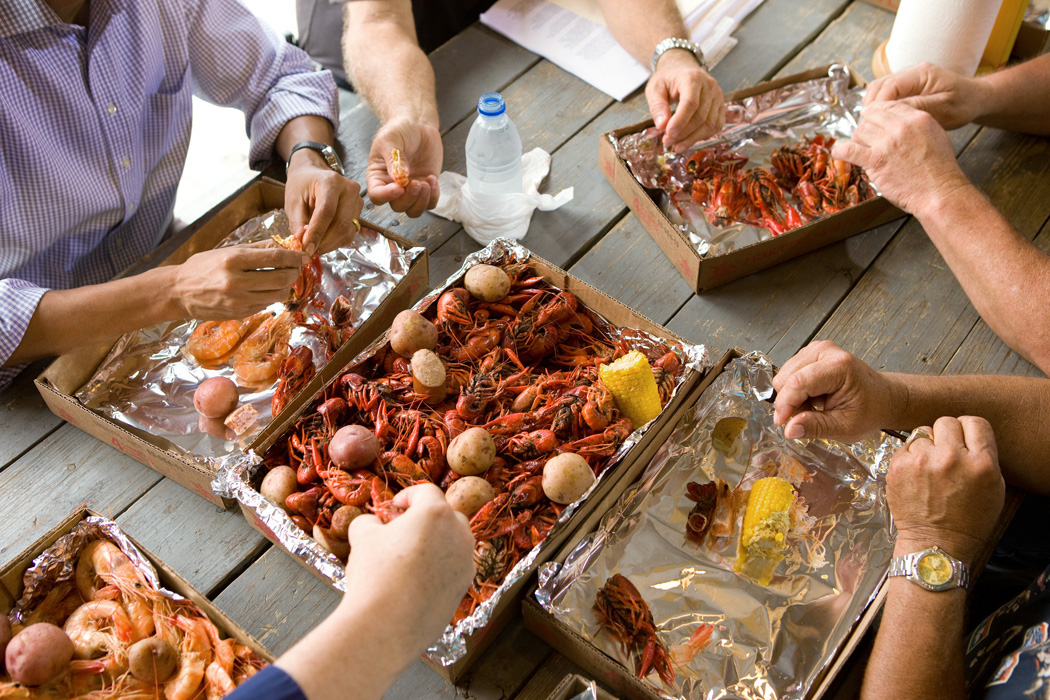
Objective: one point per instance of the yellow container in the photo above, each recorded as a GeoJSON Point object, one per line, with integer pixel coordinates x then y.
{"type": "Point", "coordinates": [1004, 33]}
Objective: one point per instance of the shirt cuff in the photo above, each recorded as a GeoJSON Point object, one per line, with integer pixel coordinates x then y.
{"type": "Point", "coordinates": [271, 683]}
{"type": "Point", "coordinates": [18, 302]}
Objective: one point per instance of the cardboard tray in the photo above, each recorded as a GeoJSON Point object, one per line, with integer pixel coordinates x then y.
{"type": "Point", "coordinates": [708, 272]}
{"type": "Point", "coordinates": [572, 685]}
{"type": "Point", "coordinates": [612, 673]}
{"type": "Point", "coordinates": [63, 378]}
{"type": "Point", "coordinates": [11, 586]}
{"type": "Point", "coordinates": [510, 604]}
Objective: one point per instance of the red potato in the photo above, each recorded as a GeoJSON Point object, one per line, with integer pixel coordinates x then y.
{"type": "Point", "coordinates": [472, 452]}
{"type": "Point", "coordinates": [278, 484]}
{"type": "Point", "coordinates": [411, 332]}
{"type": "Point", "coordinates": [353, 447]}
{"type": "Point", "coordinates": [487, 282]}
{"type": "Point", "coordinates": [215, 426]}
{"type": "Point", "coordinates": [566, 477]}
{"type": "Point", "coordinates": [5, 636]}
{"type": "Point", "coordinates": [38, 653]}
{"type": "Point", "coordinates": [215, 397]}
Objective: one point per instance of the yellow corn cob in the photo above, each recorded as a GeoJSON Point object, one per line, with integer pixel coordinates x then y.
{"type": "Point", "coordinates": [766, 524]}
{"type": "Point", "coordinates": [630, 380]}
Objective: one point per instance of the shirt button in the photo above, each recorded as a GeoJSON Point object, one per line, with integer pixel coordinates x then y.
{"type": "Point", "coordinates": [131, 206]}
{"type": "Point", "coordinates": [111, 108]}
{"type": "Point", "coordinates": [126, 162]}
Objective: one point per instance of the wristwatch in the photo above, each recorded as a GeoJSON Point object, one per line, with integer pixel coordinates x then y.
{"type": "Point", "coordinates": [326, 151]}
{"type": "Point", "coordinates": [933, 569]}
{"type": "Point", "coordinates": [677, 43]}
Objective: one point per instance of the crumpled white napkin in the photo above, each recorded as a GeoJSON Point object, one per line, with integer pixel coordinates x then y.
{"type": "Point", "coordinates": [486, 217]}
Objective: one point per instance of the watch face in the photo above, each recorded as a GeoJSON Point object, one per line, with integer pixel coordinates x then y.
{"type": "Point", "coordinates": [934, 569]}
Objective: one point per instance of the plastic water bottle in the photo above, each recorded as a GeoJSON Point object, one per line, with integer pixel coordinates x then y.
{"type": "Point", "coordinates": [493, 149]}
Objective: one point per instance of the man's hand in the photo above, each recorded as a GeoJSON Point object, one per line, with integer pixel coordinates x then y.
{"type": "Point", "coordinates": [421, 152]}
{"type": "Point", "coordinates": [952, 99]}
{"type": "Point", "coordinates": [946, 489]}
{"type": "Point", "coordinates": [412, 572]}
{"type": "Point", "coordinates": [234, 282]}
{"type": "Point", "coordinates": [701, 111]}
{"type": "Point", "coordinates": [906, 154]}
{"type": "Point", "coordinates": [323, 201]}
{"type": "Point", "coordinates": [853, 398]}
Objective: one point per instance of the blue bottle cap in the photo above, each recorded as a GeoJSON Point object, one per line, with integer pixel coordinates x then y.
{"type": "Point", "coordinates": [491, 104]}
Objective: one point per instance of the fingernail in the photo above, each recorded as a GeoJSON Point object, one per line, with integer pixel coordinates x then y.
{"type": "Point", "coordinates": [306, 259]}
{"type": "Point", "coordinates": [795, 431]}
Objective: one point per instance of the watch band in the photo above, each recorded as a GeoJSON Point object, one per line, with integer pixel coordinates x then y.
{"type": "Point", "coordinates": [675, 42]}
{"type": "Point", "coordinates": [907, 565]}
{"type": "Point", "coordinates": [326, 151]}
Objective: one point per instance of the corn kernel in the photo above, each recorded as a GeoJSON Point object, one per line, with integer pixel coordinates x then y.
{"type": "Point", "coordinates": [630, 380]}
{"type": "Point", "coordinates": [766, 524]}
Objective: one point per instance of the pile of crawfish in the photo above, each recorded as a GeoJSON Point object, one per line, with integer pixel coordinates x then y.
{"type": "Point", "coordinates": [107, 608]}
{"type": "Point", "coordinates": [524, 368]}
{"type": "Point", "coordinates": [802, 184]}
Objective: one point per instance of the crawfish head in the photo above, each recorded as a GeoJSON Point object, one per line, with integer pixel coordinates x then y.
{"type": "Point", "coordinates": [490, 560]}
{"type": "Point", "coordinates": [342, 312]}
{"type": "Point", "coordinates": [476, 396]}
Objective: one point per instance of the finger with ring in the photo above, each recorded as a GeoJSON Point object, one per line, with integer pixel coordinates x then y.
{"type": "Point", "coordinates": [918, 434]}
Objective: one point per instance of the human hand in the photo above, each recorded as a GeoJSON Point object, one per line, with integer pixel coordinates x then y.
{"type": "Point", "coordinates": [945, 488]}
{"type": "Point", "coordinates": [906, 154]}
{"type": "Point", "coordinates": [952, 99]}
{"type": "Point", "coordinates": [421, 153]}
{"type": "Point", "coordinates": [323, 201]}
{"type": "Point", "coordinates": [413, 571]}
{"type": "Point", "coordinates": [853, 399]}
{"type": "Point", "coordinates": [701, 110]}
{"type": "Point", "coordinates": [234, 282]}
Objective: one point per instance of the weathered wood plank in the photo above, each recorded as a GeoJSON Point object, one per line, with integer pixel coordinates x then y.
{"type": "Point", "coordinates": [67, 469]}
{"type": "Point", "coordinates": [172, 522]}
{"type": "Point", "coordinates": [909, 313]}
{"type": "Point", "coordinates": [277, 600]}
{"type": "Point", "coordinates": [24, 417]}
{"type": "Point", "coordinates": [548, 677]}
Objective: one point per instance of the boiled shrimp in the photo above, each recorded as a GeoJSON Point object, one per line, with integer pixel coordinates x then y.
{"type": "Point", "coordinates": [195, 653]}
{"type": "Point", "coordinates": [103, 559]}
{"type": "Point", "coordinates": [260, 355]}
{"type": "Point", "coordinates": [212, 340]}
{"type": "Point", "coordinates": [101, 627]}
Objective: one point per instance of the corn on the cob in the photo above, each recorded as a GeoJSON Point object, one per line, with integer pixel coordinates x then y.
{"type": "Point", "coordinates": [630, 381]}
{"type": "Point", "coordinates": [766, 524]}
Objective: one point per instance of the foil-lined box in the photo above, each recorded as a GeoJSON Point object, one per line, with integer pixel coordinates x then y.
{"type": "Point", "coordinates": [705, 265]}
{"type": "Point", "coordinates": [63, 383]}
{"type": "Point", "coordinates": [787, 639]}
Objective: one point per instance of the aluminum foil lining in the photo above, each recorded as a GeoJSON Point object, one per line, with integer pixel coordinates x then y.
{"type": "Point", "coordinates": [147, 384]}
{"type": "Point", "coordinates": [234, 478]}
{"type": "Point", "coordinates": [767, 642]}
{"type": "Point", "coordinates": [755, 127]}
{"type": "Point", "coordinates": [58, 563]}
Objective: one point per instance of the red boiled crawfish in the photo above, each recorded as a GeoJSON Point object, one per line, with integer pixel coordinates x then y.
{"type": "Point", "coordinates": [621, 609]}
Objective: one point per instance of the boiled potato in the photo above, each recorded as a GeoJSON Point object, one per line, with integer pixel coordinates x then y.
{"type": "Point", "coordinates": [215, 397]}
{"type": "Point", "coordinates": [327, 539]}
{"type": "Point", "coordinates": [38, 653]}
{"type": "Point", "coordinates": [353, 447]}
{"type": "Point", "coordinates": [342, 518]}
{"type": "Point", "coordinates": [472, 452]}
{"type": "Point", "coordinates": [279, 484]}
{"type": "Point", "coordinates": [428, 375]}
{"type": "Point", "coordinates": [487, 282]}
{"type": "Point", "coordinates": [411, 332]}
{"type": "Point", "coordinates": [566, 477]}
{"type": "Point", "coordinates": [468, 494]}
{"type": "Point", "coordinates": [152, 660]}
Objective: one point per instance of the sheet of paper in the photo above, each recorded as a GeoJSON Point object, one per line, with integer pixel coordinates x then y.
{"type": "Point", "coordinates": [591, 10]}
{"type": "Point", "coordinates": [587, 49]}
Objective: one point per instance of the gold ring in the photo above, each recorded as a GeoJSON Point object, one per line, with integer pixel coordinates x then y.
{"type": "Point", "coordinates": [918, 434]}
{"type": "Point", "coordinates": [358, 225]}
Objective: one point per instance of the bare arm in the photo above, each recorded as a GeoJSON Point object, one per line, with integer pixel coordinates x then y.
{"type": "Point", "coordinates": [639, 27]}
{"type": "Point", "coordinates": [1016, 98]}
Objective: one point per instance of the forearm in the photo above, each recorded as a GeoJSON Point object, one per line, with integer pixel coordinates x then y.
{"type": "Point", "coordinates": [639, 27]}
{"type": "Point", "coordinates": [397, 81]}
{"type": "Point", "coordinates": [304, 128]}
{"type": "Point", "coordinates": [918, 649]}
{"type": "Point", "coordinates": [1005, 276]}
{"type": "Point", "coordinates": [1016, 407]}
{"type": "Point", "coordinates": [1016, 98]}
{"type": "Point", "coordinates": [71, 318]}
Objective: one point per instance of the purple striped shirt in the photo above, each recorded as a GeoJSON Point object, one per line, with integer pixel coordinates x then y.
{"type": "Point", "coordinates": [95, 123]}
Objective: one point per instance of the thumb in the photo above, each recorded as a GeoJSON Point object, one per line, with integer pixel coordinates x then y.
{"type": "Point", "coordinates": [815, 424]}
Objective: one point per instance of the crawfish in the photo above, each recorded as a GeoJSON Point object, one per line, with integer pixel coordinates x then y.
{"type": "Point", "coordinates": [296, 371]}
{"type": "Point", "coordinates": [705, 496]}
{"type": "Point", "coordinates": [621, 609]}
{"type": "Point", "coordinates": [452, 308]}
{"type": "Point", "coordinates": [479, 342]}
{"type": "Point", "coordinates": [304, 503]}
{"type": "Point", "coordinates": [476, 396]}
{"type": "Point", "coordinates": [531, 445]}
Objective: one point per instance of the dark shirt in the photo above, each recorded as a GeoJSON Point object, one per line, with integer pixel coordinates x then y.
{"type": "Point", "coordinates": [271, 683]}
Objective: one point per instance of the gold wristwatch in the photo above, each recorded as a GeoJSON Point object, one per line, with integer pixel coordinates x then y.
{"type": "Point", "coordinates": [933, 569]}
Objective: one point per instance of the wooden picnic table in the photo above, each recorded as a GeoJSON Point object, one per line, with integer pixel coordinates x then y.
{"type": "Point", "coordinates": [884, 294]}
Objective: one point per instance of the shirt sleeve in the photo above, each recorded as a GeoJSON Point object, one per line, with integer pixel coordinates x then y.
{"type": "Point", "coordinates": [271, 683]}
{"type": "Point", "coordinates": [18, 302]}
{"type": "Point", "coordinates": [239, 61]}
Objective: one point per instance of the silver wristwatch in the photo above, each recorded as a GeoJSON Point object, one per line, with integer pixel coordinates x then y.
{"type": "Point", "coordinates": [677, 43]}
{"type": "Point", "coordinates": [933, 569]}
{"type": "Point", "coordinates": [326, 151]}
